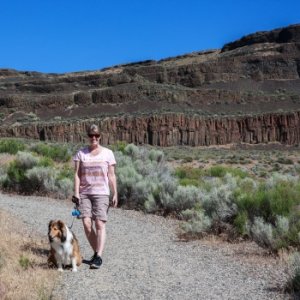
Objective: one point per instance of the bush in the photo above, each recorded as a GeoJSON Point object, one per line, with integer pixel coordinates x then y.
{"type": "Point", "coordinates": [189, 176]}
{"type": "Point", "coordinates": [221, 171]}
{"type": "Point", "coordinates": [293, 282]}
{"type": "Point", "coordinates": [268, 202]}
{"type": "Point", "coordinates": [219, 202]}
{"type": "Point", "coordinates": [46, 162]}
{"type": "Point", "coordinates": [127, 178]}
{"type": "Point", "coordinates": [262, 233]}
{"type": "Point", "coordinates": [56, 152]}
{"type": "Point", "coordinates": [185, 198]}
{"type": "Point", "coordinates": [119, 146]}
{"type": "Point", "coordinates": [11, 146]}
{"type": "Point", "coordinates": [64, 188]}
{"type": "Point", "coordinates": [41, 179]}
{"type": "Point", "coordinates": [241, 224]}
{"type": "Point", "coordinates": [197, 222]}
{"type": "Point", "coordinates": [156, 155]}
{"type": "Point", "coordinates": [16, 178]}
{"type": "Point", "coordinates": [66, 172]}
{"type": "Point", "coordinates": [132, 150]}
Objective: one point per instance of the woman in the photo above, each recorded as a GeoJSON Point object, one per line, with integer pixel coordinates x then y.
{"type": "Point", "coordinates": [94, 176]}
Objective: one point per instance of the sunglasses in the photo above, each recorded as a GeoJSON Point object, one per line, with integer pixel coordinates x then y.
{"type": "Point", "coordinates": [94, 135]}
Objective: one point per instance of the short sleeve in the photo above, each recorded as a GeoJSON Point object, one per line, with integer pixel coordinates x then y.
{"type": "Point", "coordinates": [77, 156]}
{"type": "Point", "coordinates": [111, 158]}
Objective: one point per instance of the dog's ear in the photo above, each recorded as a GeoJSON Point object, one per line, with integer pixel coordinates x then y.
{"type": "Point", "coordinates": [63, 230]}
{"type": "Point", "coordinates": [50, 224]}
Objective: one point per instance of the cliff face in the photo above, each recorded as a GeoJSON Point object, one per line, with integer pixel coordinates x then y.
{"type": "Point", "coordinates": [172, 130]}
{"type": "Point", "coordinates": [257, 75]}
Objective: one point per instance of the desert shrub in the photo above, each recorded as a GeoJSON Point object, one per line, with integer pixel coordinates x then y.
{"type": "Point", "coordinates": [141, 192]}
{"type": "Point", "coordinates": [187, 159]}
{"type": "Point", "coordinates": [119, 146]}
{"type": "Point", "coordinates": [262, 233]}
{"type": "Point", "coordinates": [270, 201]}
{"type": "Point", "coordinates": [268, 212]}
{"type": "Point", "coordinates": [26, 160]}
{"type": "Point", "coordinates": [219, 202]}
{"type": "Point", "coordinates": [285, 161]}
{"type": "Point", "coordinates": [185, 198]}
{"type": "Point", "coordinates": [46, 162]}
{"type": "Point", "coordinates": [16, 178]}
{"type": "Point", "coordinates": [3, 175]}
{"type": "Point", "coordinates": [31, 174]}
{"type": "Point", "coordinates": [156, 155]}
{"type": "Point", "coordinates": [41, 179]}
{"type": "Point", "coordinates": [11, 146]}
{"type": "Point", "coordinates": [188, 181]}
{"type": "Point", "coordinates": [293, 281]}
{"type": "Point", "coordinates": [196, 223]}
{"type": "Point", "coordinates": [188, 172]}
{"type": "Point", "coordinates": [241, 223]}
{"type": "Point", "coordinates": [189, 176]}
{"type": "Point", "coordinates": [132, 150]}
{"type": "Point", "coordinates": [123, 160]}
{"type": "Point", "coordinates": [221, 171]}
{"type": "Point", "coordinates": [66, 172]}
{"type": "Point", "coordinates": [162, 199]}
{"type": "Point", "coordinates": [145, 167]}
{"type": "Point", "coordinates": [127, 178]}
{"type": "Point", "coordinates": [64, 188]}
{"type": "Point", "coordinates": [58, 153]}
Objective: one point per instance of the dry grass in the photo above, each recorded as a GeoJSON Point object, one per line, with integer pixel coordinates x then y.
{"type": "Point", "coordinates": [24, 273]}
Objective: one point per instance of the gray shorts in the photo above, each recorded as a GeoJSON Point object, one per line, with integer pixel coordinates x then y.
{"type": "Point", "coordinates": [94, 206]}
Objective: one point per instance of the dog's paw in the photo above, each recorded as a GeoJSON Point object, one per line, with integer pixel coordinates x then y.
{"type": "Point", "coordinates": [60, 270]}
{"type": "Point", "coordinates": [74, 270]}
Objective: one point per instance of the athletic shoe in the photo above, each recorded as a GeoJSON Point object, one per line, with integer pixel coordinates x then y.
{"type": "Point", "coordinates": [96, 263]}
{"type": "Point", "coordinates": [90, 261]}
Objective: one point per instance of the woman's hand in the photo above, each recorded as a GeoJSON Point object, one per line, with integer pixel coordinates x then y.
{"type": "Point", "coordinates": [115, 200]}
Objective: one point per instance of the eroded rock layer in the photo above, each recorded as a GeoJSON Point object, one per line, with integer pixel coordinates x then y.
{"type": "Point", "coordinates": [171, 130]}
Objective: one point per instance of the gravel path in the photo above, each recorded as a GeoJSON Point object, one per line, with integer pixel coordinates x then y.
{"type": "Point", "coordinates": [144, 259]}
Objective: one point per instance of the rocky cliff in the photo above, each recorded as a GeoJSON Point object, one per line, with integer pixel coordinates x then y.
{"type": "Point", "coordinates": [248, 91]}
{"type": "Point", "coordinates": [171, 129]}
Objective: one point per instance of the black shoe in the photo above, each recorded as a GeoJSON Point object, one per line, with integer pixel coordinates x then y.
{"type": "Point", "coordinates": [96, 263]}
{"type": "Point", "coordinates": [90, 261]}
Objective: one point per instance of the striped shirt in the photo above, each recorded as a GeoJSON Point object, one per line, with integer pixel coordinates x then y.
{"type": "Point", "coordinates": [93, 171]}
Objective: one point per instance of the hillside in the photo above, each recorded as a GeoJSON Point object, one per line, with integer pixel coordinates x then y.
{"type": "Point", "coordinates": [248, 91]}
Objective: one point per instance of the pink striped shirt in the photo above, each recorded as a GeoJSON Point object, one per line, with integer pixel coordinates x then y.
{"type": "Point", "coordinates": [93, 171]}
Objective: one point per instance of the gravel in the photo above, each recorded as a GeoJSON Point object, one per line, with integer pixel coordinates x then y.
{"type": "Point", "coordinates": [144, 259]}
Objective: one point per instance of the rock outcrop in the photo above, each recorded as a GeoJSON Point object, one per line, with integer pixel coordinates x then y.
{"type": "Point", "coordinates": [174, 101]}
{"type": "Point", "coordinates": [171, 130]}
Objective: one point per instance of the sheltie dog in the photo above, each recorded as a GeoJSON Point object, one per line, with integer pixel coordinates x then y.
{"type": "Point", "coordinates": [64, 247]}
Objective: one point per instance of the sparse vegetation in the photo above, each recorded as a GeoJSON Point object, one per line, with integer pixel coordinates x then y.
{"type": "Point", "coordinates": [58, 153]}
{"type": "Point", "coordinates": [24, 273]}
{"type": "Point", "coordinates": [33, 173]}
{"type": "Point", "coordinates": [209, 197]}
{"type": "Point", "coordinates": [293, 282]}
{"type": "Point", "coordinates": [11, 146]}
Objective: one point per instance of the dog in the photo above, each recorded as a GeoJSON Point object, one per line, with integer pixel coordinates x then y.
{"type": "Point", "coordinates": [64, 247]}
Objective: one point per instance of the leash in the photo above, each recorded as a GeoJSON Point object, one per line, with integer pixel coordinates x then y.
{"type": "Point", "coordinates": [70, 227]}
{"type": "Point", "coordinates": [75, 211]}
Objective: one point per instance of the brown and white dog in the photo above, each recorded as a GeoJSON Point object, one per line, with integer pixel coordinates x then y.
{"type": "Point", "coordinates": [64, 247]}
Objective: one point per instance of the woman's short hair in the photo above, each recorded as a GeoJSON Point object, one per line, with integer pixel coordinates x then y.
{"type": "Point", "coordinates": [93, 129]}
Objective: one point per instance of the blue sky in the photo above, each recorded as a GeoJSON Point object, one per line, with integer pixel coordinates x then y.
{"type": "Point", "coordinates": [63, 36]}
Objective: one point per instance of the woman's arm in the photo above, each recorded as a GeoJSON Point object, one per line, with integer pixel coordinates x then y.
{"type": "Point", "coordinates": [113, 184]}
{"type": "Point", "coordinates": [76, 179]}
